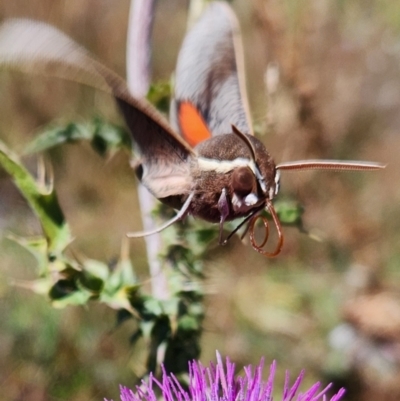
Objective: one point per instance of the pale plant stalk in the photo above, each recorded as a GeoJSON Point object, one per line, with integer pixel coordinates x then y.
{"type": "Point", "coordinates": [138, 56]}
{"type": "Point", "coordinates": [271, 81]}
{"type": "Point", "coordinates": [138, 77]}
{"type": "Point", "coordinates": [196, 8]}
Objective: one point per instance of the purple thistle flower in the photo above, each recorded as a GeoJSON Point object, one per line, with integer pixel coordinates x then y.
{"type": "Point", "coordinates": [218, 383]}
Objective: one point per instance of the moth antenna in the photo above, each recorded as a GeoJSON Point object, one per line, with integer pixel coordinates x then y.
{"type": "Point", "coordinates": [246, 140]}
{"type": "Point", "coordinates": [335, 165]}
{"type": "Point", "coordinates": [258, 247]}
{"type": "Point", "coordinates": [182, 212]}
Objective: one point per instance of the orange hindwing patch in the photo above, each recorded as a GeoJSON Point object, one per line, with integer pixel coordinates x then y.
{"type": "Point", "coordinates": [193, 126]}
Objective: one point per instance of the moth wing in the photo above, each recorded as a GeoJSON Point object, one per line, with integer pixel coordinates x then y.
{"type": "Point", "coordinates": [39, 48]}
{"type": "Point", "coordinates": [210, 94]}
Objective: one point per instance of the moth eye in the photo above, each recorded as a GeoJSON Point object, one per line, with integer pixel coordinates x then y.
{"type": "Point", "coordinates": [139, 171]}
{"type": "Point", "coordinates": [243, 181]}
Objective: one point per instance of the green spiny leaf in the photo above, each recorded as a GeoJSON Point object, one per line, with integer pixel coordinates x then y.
{"type": "Point", "coordinates": [78, 297]}
{"type": "Point", "coordinates": [44, 204]}
{"type": "Point", "coordinates": [96, 269]}
{"type": "Point", "coordinates": [104, 137]}
{"type": "Point", "coordinates": [55, 136]}
{"type": "Point", "coordinates": [187, 322]}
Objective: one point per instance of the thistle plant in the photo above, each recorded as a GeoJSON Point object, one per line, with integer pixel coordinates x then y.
{"type": "Point", "coordinates": [219, 383]}
{"type": "Point", "coordinates": [171, 323]}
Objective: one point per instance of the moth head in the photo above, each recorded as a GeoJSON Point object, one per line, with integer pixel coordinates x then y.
{"type": "Point", "coordinates": [259, 180]}
{"type": "Point", "coordinates": [255, 185]}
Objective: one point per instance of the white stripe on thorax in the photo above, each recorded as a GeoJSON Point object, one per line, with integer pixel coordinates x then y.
{"type": "Point", "coordinates": [225, 166]}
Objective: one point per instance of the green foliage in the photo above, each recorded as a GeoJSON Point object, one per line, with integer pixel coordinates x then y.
{"type": "Point", "coordinates": [104, 137]}
{"type": "Point", "coordinates": [68, 282]}
{"type": "Point", "coordinates": [289, 212]}
{"type": "Point", "coordinates": [62, 278]}
{"type": "Point", "coordinates": [174, 324]}
{"type": "Point", "coordinates": [42, 200]}
{"type": "Point", "coordinates": [159, 95]}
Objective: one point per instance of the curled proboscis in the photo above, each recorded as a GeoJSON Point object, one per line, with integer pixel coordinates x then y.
{"type": "Point", "coordinates": [259, 246]}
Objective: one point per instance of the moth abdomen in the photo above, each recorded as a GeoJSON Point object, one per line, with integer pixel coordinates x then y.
{"type": "Point", "coordinates": [174, 201]}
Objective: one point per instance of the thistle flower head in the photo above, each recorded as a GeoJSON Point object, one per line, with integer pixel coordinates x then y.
{"type": "Point", "coordinates": [218, 383]}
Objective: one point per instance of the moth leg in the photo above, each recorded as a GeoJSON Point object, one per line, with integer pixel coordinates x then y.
{"type": "Point", "coordinates": [223, 207]}
{"type": "Point", "coordinates": [245, 231]}
{"type": "Point", "coordinates": [182, 213]}
{"type": "Point", "coordinates": [239, 226]}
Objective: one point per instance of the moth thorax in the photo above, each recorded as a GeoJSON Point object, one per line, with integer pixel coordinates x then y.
{"type": "Point", "coordinates": [243, 181]}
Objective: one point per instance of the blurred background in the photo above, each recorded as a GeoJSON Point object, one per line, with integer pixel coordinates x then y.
{"type": "Point", "coordinates": [329, 303]}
